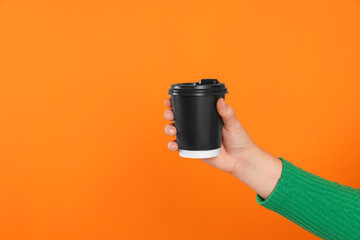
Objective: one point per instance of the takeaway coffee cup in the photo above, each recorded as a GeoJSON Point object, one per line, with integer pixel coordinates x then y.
{"type": "Point", "coordinates": [198, 124]}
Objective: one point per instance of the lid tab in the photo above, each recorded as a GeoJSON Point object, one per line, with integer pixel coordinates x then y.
{"type": "Point", "coordinates": [208, 81]}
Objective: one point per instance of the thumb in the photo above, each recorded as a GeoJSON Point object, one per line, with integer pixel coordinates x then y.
{"type": "Point", "coordinates": [228, 116]}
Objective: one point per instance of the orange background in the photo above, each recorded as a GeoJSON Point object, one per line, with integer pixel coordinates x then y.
{"type": "Point", "coordinates": [83, 153]}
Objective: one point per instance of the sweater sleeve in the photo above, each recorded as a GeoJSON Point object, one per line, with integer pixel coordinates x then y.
{"type": "Point", "coordinates": [325, 208]}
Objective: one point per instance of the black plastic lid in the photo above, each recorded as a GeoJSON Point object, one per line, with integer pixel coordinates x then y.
{"type": "Point", "coordinates": [201, 88]}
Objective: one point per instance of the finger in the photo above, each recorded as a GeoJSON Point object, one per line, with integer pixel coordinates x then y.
{"type": "Point", "coordinates": [173, 146]}
{"type": "Point", "coordinates": [228, 116]}
{"type": "Point", "coordinates": [168, 102]}
{"type": "Point", "coordinates": [170, 129]}
{"type": "Point", "coordinates": [169, 115]}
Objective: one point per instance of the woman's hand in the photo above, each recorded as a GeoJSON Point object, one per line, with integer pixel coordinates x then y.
{"type": "Point", "coordinates": [239, 155]}
{"type": "Point", "coordinates": [236, 143]}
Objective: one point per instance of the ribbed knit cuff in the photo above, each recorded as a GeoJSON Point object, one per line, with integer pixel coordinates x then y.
{"type": "Point", "coordinates": [322, 207]}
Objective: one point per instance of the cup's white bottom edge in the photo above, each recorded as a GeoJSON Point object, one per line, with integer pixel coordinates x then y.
{"type": "Point", "coordinates": [199, 153]}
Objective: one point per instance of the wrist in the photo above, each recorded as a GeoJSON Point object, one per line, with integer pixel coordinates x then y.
{"type": "Point", "coordinates": [259, 170]}
{"type": "Point", "coordinates": [247, 162]}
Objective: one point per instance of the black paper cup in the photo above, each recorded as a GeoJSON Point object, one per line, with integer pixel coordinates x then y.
{"type": "Point", "coordinates": [198, 124]}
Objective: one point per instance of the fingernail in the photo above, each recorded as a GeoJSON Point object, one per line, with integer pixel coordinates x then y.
{"type": "Point", "coordinates": [168, 115]}
{"type": "Point", "coordinates": [223, 104]}
{"type": "Point", "coordinates": [172, 131]}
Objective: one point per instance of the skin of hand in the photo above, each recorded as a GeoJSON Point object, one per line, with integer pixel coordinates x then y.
{"type": "Point", "coordinates": [239, 155]}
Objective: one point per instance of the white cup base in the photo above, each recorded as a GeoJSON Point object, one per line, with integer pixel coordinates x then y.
{"type": "Point", "coordinates": [199, 154]}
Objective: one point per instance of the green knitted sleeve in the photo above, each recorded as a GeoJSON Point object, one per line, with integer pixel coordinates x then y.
{"type": "Point", "coordinates": [325, 208]}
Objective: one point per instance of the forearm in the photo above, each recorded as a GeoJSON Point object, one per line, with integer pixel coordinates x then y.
{"type": "Point", "coordinates": [260, 171]}
{"type": "Point", "coordinates": [322, 207]}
